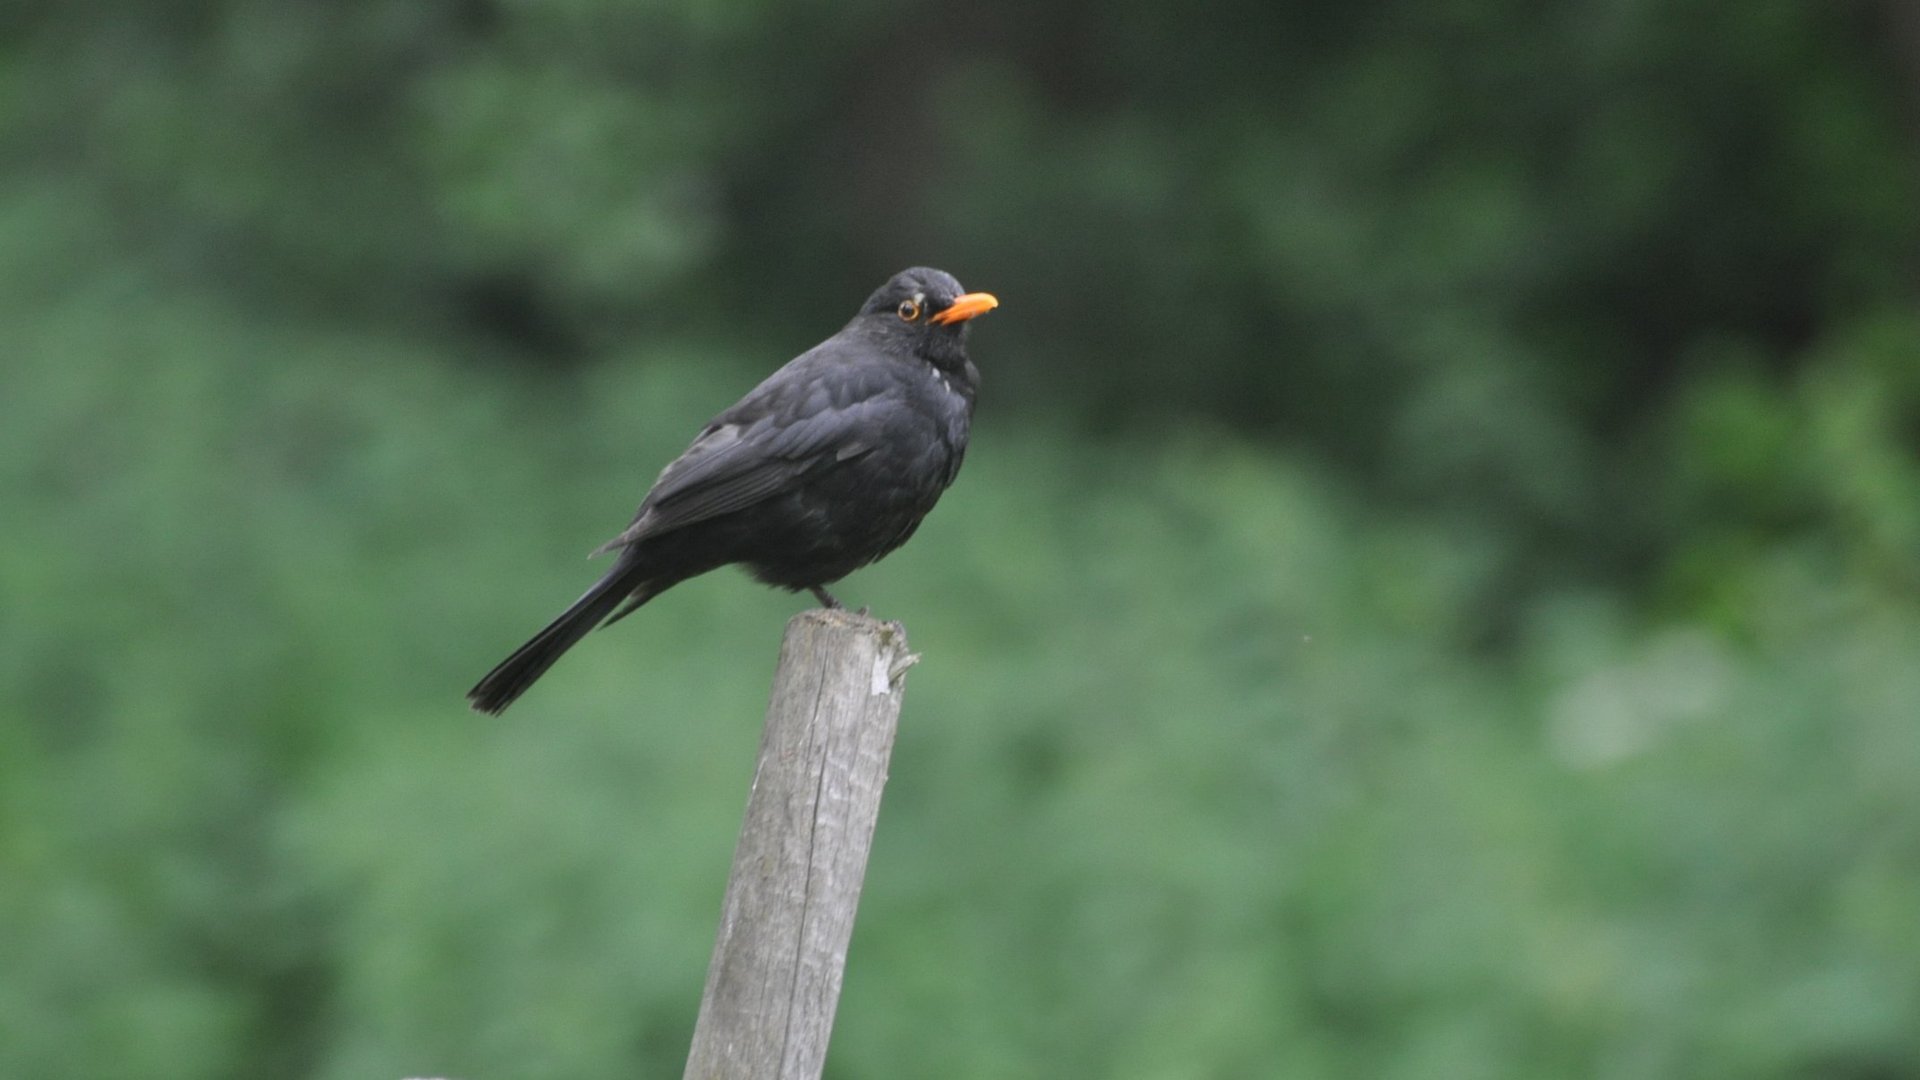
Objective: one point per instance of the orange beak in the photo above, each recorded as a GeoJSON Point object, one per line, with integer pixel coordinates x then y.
{"type": "Point", "coordinates": [966, 307]}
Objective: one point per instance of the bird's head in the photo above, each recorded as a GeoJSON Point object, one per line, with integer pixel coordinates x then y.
{"type": "Point", "coordinates": [928, 308]}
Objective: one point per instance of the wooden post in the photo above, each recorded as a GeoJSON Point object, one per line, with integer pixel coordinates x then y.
{"type": "Point", "coordinates": [797, 869]}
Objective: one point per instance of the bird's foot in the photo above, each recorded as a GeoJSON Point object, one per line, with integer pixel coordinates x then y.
{"type": "Point", "coordinates": [826, 598]}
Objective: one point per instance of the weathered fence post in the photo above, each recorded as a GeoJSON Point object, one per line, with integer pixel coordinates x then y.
{"type": "Point", "coordinates": [797, 869]}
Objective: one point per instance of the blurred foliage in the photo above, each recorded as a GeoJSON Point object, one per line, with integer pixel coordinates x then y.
{"type": "Point", "coordinates": [1434, 595]}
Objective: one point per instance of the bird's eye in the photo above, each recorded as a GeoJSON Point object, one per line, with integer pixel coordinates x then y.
{"type": "Point", "coordinates": [909, 310]}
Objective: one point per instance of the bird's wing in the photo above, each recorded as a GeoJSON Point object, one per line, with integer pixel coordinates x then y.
{"type": "Point", "coordinates": [751, 452]}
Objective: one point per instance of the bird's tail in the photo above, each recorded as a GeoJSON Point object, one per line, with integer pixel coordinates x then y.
{"type": "Point", "coordinates": [512, 676]}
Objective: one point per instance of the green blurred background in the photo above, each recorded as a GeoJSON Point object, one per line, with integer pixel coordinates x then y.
{"type": "Point", "coordinates": [1435, 593]}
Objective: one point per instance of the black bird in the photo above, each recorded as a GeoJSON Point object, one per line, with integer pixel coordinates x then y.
{"type": "Point", "coordinates": [823, 468]}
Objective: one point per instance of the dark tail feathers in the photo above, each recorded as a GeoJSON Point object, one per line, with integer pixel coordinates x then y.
{"type": "Point", "coordinates": [530, 661]}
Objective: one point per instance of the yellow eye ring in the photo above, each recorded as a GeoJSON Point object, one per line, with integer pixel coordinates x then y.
{"type": "Point", "coordinates": [909, 311]}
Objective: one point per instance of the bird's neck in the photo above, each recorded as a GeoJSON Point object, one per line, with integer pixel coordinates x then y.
{"type": "Point", "coordinates": [948, 355]}
{"type": "Point", "coordinates": [944, 351]}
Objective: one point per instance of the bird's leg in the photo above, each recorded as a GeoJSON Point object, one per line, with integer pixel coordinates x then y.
{"type": "Point", "coordinates": [826, 598]}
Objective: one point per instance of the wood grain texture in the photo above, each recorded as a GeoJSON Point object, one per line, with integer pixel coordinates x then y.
{"type": "Point", "coordinates": [797, 869]}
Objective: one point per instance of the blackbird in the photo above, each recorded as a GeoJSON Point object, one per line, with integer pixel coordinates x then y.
{"type": "Point", "coordinates": [823, 468]}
